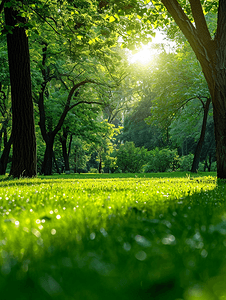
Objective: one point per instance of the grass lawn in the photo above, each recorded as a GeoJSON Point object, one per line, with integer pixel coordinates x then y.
{"type": "Point", "coordinates": [124, 236]}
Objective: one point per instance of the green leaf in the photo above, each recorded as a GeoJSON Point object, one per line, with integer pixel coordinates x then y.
{"type": "Point", "coordinates": [112, 19]}
{"type": "Point", "coordinates": [8, 4]}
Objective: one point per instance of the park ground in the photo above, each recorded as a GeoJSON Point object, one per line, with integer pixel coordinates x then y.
{"type": "Point", "coordinates": [117, 236]}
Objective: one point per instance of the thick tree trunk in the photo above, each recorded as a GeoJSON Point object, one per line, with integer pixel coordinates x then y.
{"type": "Point", "coordinates": [198, 149]}
{"type": "Point", "coordinates": [24, 161]}
{"type": "Point", "coordinates": [219, 92]}
{"type": "Point", "coordinates": [219, 114]}
{"type": "Point", "coordinates": [55, 163]}
{"type": "Point", "coordinates": [5, 156]}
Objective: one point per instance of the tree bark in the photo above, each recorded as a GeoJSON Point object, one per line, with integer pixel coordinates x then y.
{"type": "Point", "coordinates": [55, 163]}
{"type": "Point", "coordinates": [24, 161]}
{"type": "Point", "coordinates": [63, 141]}
{"type": "Point", "coordinates": [219, 93]}
{"type": "Point", "coordinates": [198, 149]}
{"type": "Point", "coordinates": [48, 156]}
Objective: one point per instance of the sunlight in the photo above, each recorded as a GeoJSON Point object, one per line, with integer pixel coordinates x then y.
{"type": "Point", "coordinates": [148, 52]}
{"type": "Point", "coordinates": [144, 56]}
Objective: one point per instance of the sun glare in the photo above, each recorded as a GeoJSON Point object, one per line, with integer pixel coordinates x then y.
{"type": "Point", "coordinates": [148, 52]}
{"type": "Point", "coordinates": [144, 56]}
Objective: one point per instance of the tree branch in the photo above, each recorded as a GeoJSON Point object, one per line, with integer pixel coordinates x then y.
{"type": "Point", "coordinates": [200, 21]}
{"type": "Point", "coordinates": [182, 20]}
{"type": "Point", "coordinates": [42, 116]}
{"type": "Point", "coordinates": [67, 106]}
{"type": "Point", "coordinates": [85, 102]}
{"type": "Point", "coordinates": [41, 17]}
{"type": "Point", "coordinates": [204, 51]}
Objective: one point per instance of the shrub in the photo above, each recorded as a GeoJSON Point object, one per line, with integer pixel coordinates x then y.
{"type": "Point", "coordinates": [93, 170]}
{"type": "Point", "coordinates": [162, 160]}
{"type": "Point", "coordinates": [130, 158]}
{"type": "Point", "coordinates": [214, 166]}
{"type": "Point", "coordinates": [186, 162]}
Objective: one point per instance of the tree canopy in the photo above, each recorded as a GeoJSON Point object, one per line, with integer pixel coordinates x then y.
{"type": "Point", "coordinates": [76, 64]}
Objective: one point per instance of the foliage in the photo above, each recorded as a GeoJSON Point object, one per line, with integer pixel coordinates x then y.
{"type": "Point", "coordinates": [186, 162]}
{"type": "Point", "coordinates": [176, 79]}
{"type": "Point", "coordinates": [162, 160]}
{"type": "Point", "coordinates": [131, 158]}
{"type": "Point", "coordinates": [187, 125]}
{"type": "Point", "coordinates": [82, 39]}
{"type": "Point", "coordinates": [79, 155]}
{"type": "Point", "coordinates": [102, 142]}
{"type": "Point", "coordinates": [137, 130]}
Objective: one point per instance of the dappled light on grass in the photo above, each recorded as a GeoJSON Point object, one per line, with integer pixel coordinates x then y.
{"type": "Point", "coordinates": [127, 237]}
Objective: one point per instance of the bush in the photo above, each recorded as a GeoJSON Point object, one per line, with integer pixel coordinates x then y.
{"type": "Point", "coordinates": [110, 164]}
{"type": "Point", "coordinates": [93, 170]}
{"type": "Point", "coordinates": [186, 162]}
{"type": "Point", "coordinates": [162, 160]}
{"type": "Point", "coordinates": [201, 167]}
{"type": "Point", "coordinates": [214, 166]}
{"type": "Point", "coordinates": [204, 167]}
{"type": "Point", "coordinates": [130, 158]}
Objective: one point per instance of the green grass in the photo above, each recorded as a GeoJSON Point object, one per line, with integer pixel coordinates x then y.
{"type": "Point", "coordinates": [113, 237]}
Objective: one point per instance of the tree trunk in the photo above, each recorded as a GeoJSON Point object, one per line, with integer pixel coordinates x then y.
{"type": "Point", "coordinates": [63, 141]}
{"type": "Point", "coordinates": [55, 163]}
{"type": "Point", "coordinates": [24, 161]}
{"type": "Point", "coordinates": [100, 164]}
{"type": "Point", "coordinates": [5, 156]}
{"type": "Point", "coordinates": [210, 162]}
{"type": "Point", "coordinates": [219, 92]}
{"type": "Point", "coordinates": [69, 146]}
{"type": "Point", "coordinates": [211, 55]}
{"type": "Point", "coordinates": [198, 149]}
{"type": "Point", "coordinates": [65, 156]}
{"type": "Point", "coordinates": [48, 156]}
{"type": "Point", "coordinates": [3, 133]}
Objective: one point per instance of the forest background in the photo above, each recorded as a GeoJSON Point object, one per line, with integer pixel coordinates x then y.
{"type": "Point", "coordinates": [96, 108]}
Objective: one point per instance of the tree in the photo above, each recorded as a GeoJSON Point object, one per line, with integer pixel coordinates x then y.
{"type": "Point", "coordinates": [23, 128]}
{"type": "Point", "coordinates": [137, 130]}
{"type": "Point", "coordinates": [210, 53]}
{"type": "Point", "coordinates": [102, 141]}
{"type": "Point", "coordinates": [66, 85]}
{"type": "Point", "coordinates": [66, 153]}
{"type": "Point", "coordinates": [78, 130]}
{"type": "Point", "coordinates": [172, 82]}
{"type": "Point", "coordinates": [80, 155]}
{"type": "Point", "coordinates": [89, 32]}
{"type": "Point", "coordinates": [198, 148]}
